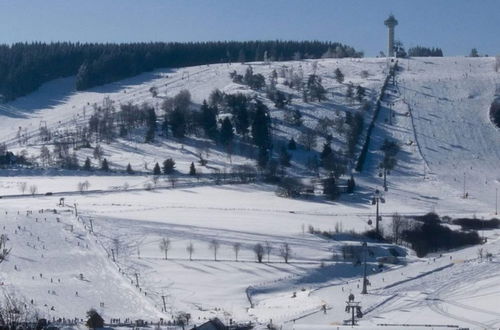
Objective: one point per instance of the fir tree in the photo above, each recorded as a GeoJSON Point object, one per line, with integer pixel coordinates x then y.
{"type": "Point", "coordinates": [208, 117]}
{"type": "Point", "coordinates": [325, 153]}
{"type": "Point", "coordinates": [315, 89]}
{"type": "Point", "coordinates": [178, 123]}
{"type": "Point", "coordinates": [192, 169]}
{"type": "Point", "coordinates": [164, 126]}
{"type": "Point", "coordinates": [94, 320]}
{"type": "Point", "coordinates": [226, 132]}
{"type": "Point", "coordinates": [104, 165]}
{"type": "Point", "coordinates": [129, 169]}
{"type": "Point", "coordinates": [350, 92]}
{"type": "Point", "coordinates": [151, 125]}
{"type": "Point", "coordinates": [360, 93]}
{"type": "Point", "coordinates": [87, 166]}
{"type": "Point", "coordinates": [156, 169]}
{"type": "Point", "coordinates": [262, 158]}
{"type": "Point", "coordinates": [339, 76]}
{"type": "Point", "coordinates": [330, 189]}
{"type": "Point", "coordinates": [261, 130]}
{"type": "Point", "coordinates": [351, 185]}
{"type": "Point", "coordinates": [168, 166]}
{"type": "Point", "coordinates": [284, 157]}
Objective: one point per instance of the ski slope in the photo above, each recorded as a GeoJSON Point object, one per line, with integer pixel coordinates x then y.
{"type": "Point", "coordinates": [437, 111]}
{"type": "Point", "coordinates": [449, 100]}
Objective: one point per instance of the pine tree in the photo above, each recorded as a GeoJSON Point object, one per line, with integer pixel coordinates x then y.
{"type": "Point", "coordinates": [192, 169]}
{"type": "Point", "coordinates": [284, 157]}
{"type": "Point", "coordinates": [164, 126]}
{"type": "Point", "coordinates": [94, 320]}
{"type": "Point", "coordinates": [325, 153]}
{"type": "Point", "coordinates": [178, 123]}
{"type": "Point", "coordinates": [156, 169]}
{"type": "Point", "coordinates": [248, 76]}
{"type": "Point", "coordinates": [339, 76]}
{"type": "Point", "coordinates": [315, 88]}
{"type": "Point", "coordinates": [263, 158]}
{"type": "Point", "coordinates": [360, 93]}
{"type": "Point", "coordinates": [168, 166]}
{"type": "Point", "coordinates": [129, 169]}
{"type": "Point", "coordinates": [351, 185]}
{"type": "Point", "coordinates": [208, 117]}
{"type": "Point", "coordinates": [151, 125]}
{"type": "Point", "coordinates": [261, 130]}
{"type": "Point", "coordinates": [350, 91]}
{"type": "Point", "coordinates": [226, 132]}
{"type": "Point", "coordinates": [330, 189]}
{"type": "Point", "coordinates": [104, 165]}
{"type": "Point", "coordinates": [87, 166]}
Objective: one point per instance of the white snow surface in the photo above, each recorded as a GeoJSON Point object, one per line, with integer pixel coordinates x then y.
{"type": "Point", "coordinates": [440, 117]}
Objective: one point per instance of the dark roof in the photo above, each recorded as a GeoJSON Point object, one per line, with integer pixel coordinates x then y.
{"type": "Point", "coordinates": [213, 324]}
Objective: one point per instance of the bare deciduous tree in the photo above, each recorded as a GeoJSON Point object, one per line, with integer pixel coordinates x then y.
{"type": "Point", "coordinates": [190, 250]}
{"type": "Point", "coordinates": [269, 248]}
{"type": "Point", "coordinates": [173, 180]}
{"type": "Point", "coordinates": [214, 245]}
{"type": "Point", "coordinates": [155, 179]}
{"type": "Point", "coordinates": [182, 319]}
{"type": "Point", "coordinates": [285, 251]}
{"type": "Point", "coordinates": [165, 245]}
{"type": "Point", "coordinates": [23, 186]}
{"type": "Point", "coordinates": [259, 251]}
{"type": "Point", "coordinates": [98, 152]}
{"type": "Point", "coordinates": [4, 251]}
{"type": "Point", "coordinates": [397, 227]}
{"type": "Point", "coordinates": [308, 139]}
{"type": "Point", "coordinates": [14, 311]}
{"type": "Point", "coordinates": [33, 189]}
{"type": "Point", "coordinates": [45, 156]}
{"type": "Point", "coordinates": [116, 246]}
{"type": "Point", "coordinates": [236, 248]}
{"type": "Point", "coordinates": [83, 186]}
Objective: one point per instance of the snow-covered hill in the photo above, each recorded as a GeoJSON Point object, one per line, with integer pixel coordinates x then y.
{"type": "Point", "coordinates": [56, 106]}
{"type": "Point", "coordinates": [439, 109]}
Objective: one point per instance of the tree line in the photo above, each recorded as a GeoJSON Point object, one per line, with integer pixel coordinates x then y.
{"type": "Point", "coordinates": [26, 66]}
{"type": "Point", "coordinates": [419, 51]}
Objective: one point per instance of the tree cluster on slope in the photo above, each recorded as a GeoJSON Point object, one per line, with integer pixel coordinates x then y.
{"type": "Point", "coordinates": [420, 51]}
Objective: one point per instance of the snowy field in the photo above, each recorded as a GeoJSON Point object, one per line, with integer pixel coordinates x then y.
{"type": "Point", "coordinates": [439, 115]}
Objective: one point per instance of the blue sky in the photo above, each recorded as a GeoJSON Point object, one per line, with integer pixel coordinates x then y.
{"type": "Point", "coordinates": [454, 25]}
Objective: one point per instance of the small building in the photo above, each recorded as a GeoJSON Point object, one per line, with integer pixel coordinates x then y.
{"type": "Point", "coordinates": [213, 324]}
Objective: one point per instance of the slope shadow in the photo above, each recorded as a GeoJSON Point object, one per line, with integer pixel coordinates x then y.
{"type": "Point", "coordinates": [59, 91]}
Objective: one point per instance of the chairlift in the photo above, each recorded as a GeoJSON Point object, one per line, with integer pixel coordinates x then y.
{"type": "Point", "coordinates": [370, 222]}
{"type": "Point", "coordinates": [374, 201]}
